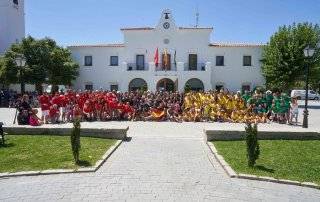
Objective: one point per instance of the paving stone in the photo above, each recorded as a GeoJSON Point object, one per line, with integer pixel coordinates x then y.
{"type": "Point", "coordinates": [163, 161]}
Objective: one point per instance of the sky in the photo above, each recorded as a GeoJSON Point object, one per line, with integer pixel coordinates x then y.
{"type": "Point", "coordinates": [72, 22]}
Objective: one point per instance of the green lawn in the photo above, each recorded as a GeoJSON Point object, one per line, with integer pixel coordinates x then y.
{"type": "Point", "coordinates": [26, 153]}
{"type": "Point", "coordinates": [282, 159]}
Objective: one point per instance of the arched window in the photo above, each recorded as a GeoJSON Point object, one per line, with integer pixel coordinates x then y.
{"type": "Point", "coordinates": [166, 85]}
{"type": "Point", "coordinates": [138, 84]}
{"type": "Point", "coordinates": [194, 85]}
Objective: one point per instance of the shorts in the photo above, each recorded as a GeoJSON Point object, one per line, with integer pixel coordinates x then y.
{"type": "Point", "coordinates": [63, 109]}
{"type": "Point", "coordinates": [294, 114]}
{"type": "Point", "coordinates": [45, 112]}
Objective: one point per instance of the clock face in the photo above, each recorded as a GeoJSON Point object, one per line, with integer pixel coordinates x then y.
{"type": "Point", "coordinates": [166, 25]}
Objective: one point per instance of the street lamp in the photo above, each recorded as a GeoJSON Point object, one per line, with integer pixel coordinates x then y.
{"type": "Point", "coordinates": [308, 53]}
{"type": "Point", "coordinates": [21, 63]}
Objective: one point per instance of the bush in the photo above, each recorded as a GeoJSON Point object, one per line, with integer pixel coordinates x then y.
{"type": "Point", "coordinates": [75, 140]}
{"type": "Point", "coordinates": [253, 150]}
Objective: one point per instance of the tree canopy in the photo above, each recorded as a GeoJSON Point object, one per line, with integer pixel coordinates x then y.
{"type": "Point", "coordinates": [46, 62]}
{"type": "Point", "coordinates": [283, 60]}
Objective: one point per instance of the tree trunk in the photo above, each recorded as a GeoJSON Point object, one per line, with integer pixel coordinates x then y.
{"type": "Point", "coordinates": [39, 88]}
{"type": "Point", "coordinates": [22, 88]}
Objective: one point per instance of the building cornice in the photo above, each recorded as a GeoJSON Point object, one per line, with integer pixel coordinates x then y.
{"type": "Point", "coordinates": [228, 44]}
{"type": "Point", "coordinates": [152, 28]}
{"type": "Point", "coordinates": [98, 46]}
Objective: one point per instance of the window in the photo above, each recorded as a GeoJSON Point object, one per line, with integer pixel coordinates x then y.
{"type": "Point", "coordinates": [87, 60]}
{"type": "Point", "coordinates": [219, 60]}
{"type": "Point", "coordinates": [140, 62]}
{"type": "Point", "coordinates": [245, 87]}
{"type": "Point", "coordinates": [114, 87]}
{"type": "Point", "coordinates": [219, 87]}
{"type": "Point", "coordinates": [247, 61]}
{"type": "Point", "coordinates": [16, 2]}
{"type": "Point", "coordinates": [114, 61]}
{"type": "Point", "coordinates": [88, 87]}
{"type": "Point", "coordinates": [193, 60]}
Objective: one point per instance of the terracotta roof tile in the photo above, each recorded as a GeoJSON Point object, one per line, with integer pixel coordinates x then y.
{"type": "Point", "coordinates": [98, 46]}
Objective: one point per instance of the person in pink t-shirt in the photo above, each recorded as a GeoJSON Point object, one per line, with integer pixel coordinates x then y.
{"type": "Point", "coordinates": [34, 120]}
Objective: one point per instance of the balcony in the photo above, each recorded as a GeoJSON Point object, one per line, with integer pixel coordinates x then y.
{"type": "Point", "coordinates": [137, 67]}
{"type": "Point", "coordinates": [199, 67]}
{"type": "Point", "coordinates": [168, 68]}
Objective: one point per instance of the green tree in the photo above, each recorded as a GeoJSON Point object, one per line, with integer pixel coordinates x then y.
{"type": "Point", "coordinates": [75, 140]}
{"type": "Point", "coordinates": [253, 149]}
{"type": "Point", "coordinates": [44, 59]}
{"type": "Point", "coordinates": [283, 61]}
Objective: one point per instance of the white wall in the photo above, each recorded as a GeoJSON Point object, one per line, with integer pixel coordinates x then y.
{"type": "Point", "coordinates": [233, 74]}
{"type": "Point", "coordinates": [12, 23]}
{"type": "Point", "coordinates": [184, 42]}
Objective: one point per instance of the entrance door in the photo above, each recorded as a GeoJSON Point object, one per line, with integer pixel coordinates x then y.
{"type": "Point", "coordinates": [140, 62]}
{"type": "Point", "coordinates": [166, 85]}
{"type": "Point", "coordinates": [166, 62]}
{"type": "Point", "coordinates": [193, 60]}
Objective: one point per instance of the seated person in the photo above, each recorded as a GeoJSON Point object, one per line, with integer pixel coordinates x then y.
{"type": "Point", "coordinates": [34, 120]}
{"type": "Point", "coordinates": [24, 111]}
{"type": "Point", "coordinates": [54, 114]}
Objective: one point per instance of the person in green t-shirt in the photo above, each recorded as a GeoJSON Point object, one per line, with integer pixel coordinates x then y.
{"type": "Point", "coordinates": [269, 98]}
{"type": "Point", "coordinates": [246, 96]}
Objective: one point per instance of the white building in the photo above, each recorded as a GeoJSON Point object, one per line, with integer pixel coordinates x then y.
{"type": "Point", "coordinates": [12, 24]}
{"type": "Point", "coordinates": [191, 59]}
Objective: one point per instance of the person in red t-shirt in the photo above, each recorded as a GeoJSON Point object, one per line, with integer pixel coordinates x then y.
{"type": "Point", "coordinates": [44, 101]}
{"type": "Point", "coordinates": [77, 113]}
{"type": "Point", "coordinates": [54, 114]}
{"type": "Point", "coordinates": [128, 112]}
{"type": "Point", "coordinates": [63, 103]}
{"type": "Point", "coordinates": [88, 110]}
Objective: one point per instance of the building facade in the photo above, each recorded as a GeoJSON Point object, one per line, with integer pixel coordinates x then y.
{"type": "Point", "coordinates": [168, 57]}
{"type": "Point", "coordinates": [12, 23]}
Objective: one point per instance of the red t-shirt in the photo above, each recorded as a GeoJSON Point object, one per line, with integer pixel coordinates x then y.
{"type": "Point", "coordinates": [56, 100]}
{"type": "Point", "coordinates": [53, 111]}
{"type": "Point", "coordinates": [87, 108]}
{"type": "Point", "coordinates": [44, 102]}
{"type": "Point", "coordinates": [127, 109]}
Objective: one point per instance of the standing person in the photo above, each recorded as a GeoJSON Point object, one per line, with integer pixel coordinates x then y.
{"type": "Point", "coordinates": [294, 111]}
{"type": "Point", "coordinates": [44, 100]}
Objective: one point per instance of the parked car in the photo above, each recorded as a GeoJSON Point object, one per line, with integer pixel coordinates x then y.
{"type": "Point", "coordinates": [301, 94]}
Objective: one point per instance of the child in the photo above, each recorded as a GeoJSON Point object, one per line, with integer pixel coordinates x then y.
{"type": "Point", "coordinates": [77, 113]}
{"type": "Point", "coordinates": [54, 114]}
{"type": "Point", "coordinates": [34, 120]}
{"type": "Point", "coordinates": [294, 111]}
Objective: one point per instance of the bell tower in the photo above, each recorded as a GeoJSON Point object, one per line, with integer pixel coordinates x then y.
{"type": "Point", "coordinates": [12, 23]}
{"type": "Point", "coordinates": [166, 21]}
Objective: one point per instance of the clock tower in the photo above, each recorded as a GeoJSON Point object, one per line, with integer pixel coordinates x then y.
{"type": "Point", "coordinates": [166, 22]}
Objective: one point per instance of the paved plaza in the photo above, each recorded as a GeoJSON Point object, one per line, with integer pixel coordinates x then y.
{"type": "Point", "coordinates": [163, 161]}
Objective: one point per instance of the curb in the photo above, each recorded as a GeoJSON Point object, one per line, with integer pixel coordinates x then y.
{"type": "Point", "coordinates": [232, 174]}
{"type": "Point", "coordinates": [94, 168]}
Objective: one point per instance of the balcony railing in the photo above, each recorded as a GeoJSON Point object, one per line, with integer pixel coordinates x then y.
{"type": "Point", "coordinates": [170, 67]}
{"type": "Point", "coordinates": [137, 67]}
{"type": "Point", "coordinates": [199, 67]}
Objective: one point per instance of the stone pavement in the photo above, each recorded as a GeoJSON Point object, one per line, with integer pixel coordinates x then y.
{"type": "Point", "coordinates": [164, 162]}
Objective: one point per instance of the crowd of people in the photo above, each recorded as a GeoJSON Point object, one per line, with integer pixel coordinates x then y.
{"type": "Point", "coordinates": [212, 106]}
